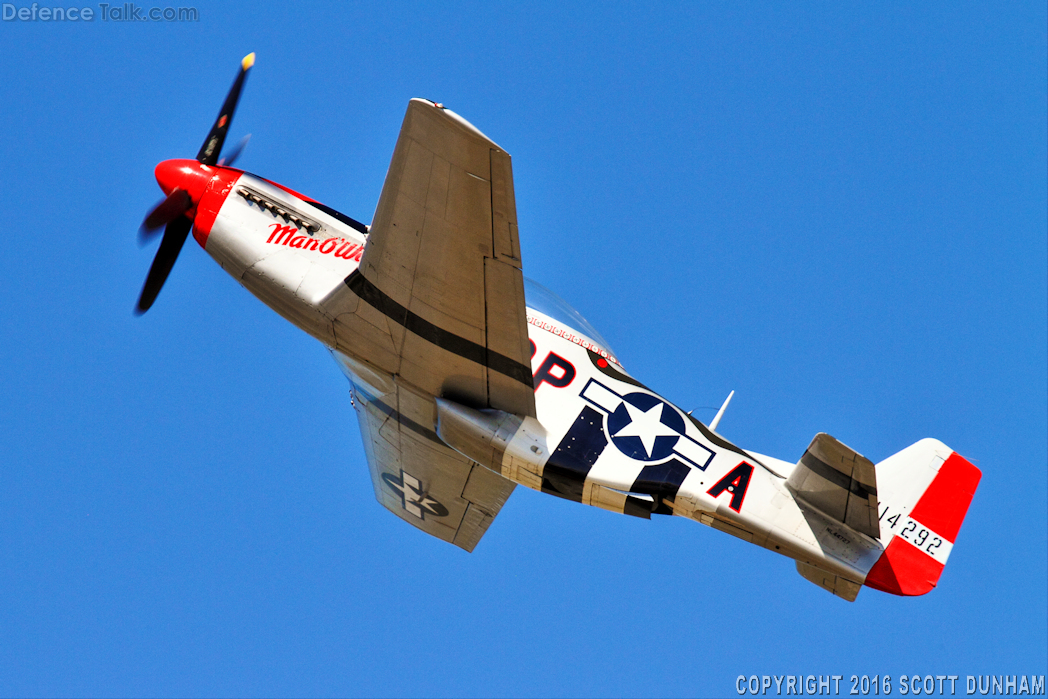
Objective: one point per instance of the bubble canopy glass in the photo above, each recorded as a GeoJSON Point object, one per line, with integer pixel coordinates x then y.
{"type": "Point", "coordinates": [549, 304]}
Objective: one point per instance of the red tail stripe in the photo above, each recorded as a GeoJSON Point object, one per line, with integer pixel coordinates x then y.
{"type": "Point", "coordinates": [903, 569]}
{"type": "Point", "coordinates": [943, 505]}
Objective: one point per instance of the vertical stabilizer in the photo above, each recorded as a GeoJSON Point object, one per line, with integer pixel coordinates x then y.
{"type": "Point", "coordinates": [925, 493]}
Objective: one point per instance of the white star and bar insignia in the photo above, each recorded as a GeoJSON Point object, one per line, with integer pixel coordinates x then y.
{"type": "Point", "coordinates": [644, 427]}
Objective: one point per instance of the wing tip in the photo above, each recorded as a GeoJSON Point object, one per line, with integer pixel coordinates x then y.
{"type": "Point", "coordinates": [438, 108]}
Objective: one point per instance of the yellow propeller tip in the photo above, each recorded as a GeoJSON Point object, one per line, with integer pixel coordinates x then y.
{"type": "Point", "coordinates": [249, 60]}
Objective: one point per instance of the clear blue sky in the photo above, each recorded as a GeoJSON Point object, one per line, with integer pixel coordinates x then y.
{"type": "Point", "coordinates": [838, 211]}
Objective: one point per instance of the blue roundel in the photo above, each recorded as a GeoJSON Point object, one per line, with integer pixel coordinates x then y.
{"type": "Point", "coordinates": [648, 429]}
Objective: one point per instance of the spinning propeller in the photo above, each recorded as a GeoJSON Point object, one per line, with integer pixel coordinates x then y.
{"type": "Point", "coordinates": [184, 183]}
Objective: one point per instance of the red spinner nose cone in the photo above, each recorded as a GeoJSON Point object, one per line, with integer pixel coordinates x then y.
{"type": "Point", "coordinates": [187, 175]}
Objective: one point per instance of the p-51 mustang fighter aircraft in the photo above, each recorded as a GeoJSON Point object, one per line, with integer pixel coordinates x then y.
{"type": "Point", "coordinates": [468, 379]}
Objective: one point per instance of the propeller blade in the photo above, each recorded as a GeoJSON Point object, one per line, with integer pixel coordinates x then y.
{"type": "Point", "coordinates": [173, 206]}
{"type": "Point", "coordinates": [171, 211]}
{"type": "Point", "coordinates": [174, 236]}
{"type": "Point", "coordinates": [212, 147]}
{"type": "Point", "coordinates": [228, 160]}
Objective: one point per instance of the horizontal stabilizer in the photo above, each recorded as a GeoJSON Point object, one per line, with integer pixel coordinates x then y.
{"type": "Point", "coordinates": [842, 587]}
{"type": "Point", "coordinates": [839, 482]}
